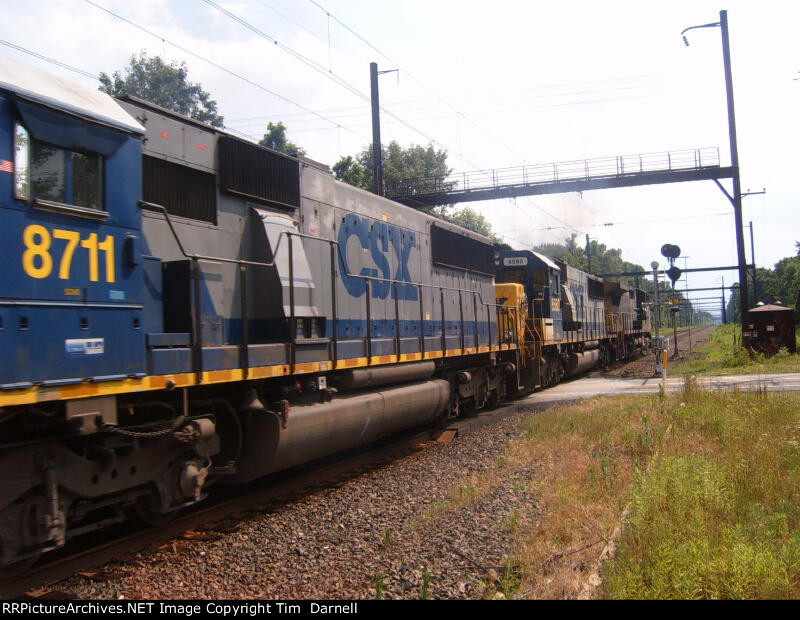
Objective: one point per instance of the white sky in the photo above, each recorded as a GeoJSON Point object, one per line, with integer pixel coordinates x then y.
{"type": "Point", "coordinates": [497, 84]}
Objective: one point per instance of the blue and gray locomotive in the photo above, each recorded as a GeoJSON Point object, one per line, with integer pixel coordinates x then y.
{"type": "Point", "coordinates": [181, 307]}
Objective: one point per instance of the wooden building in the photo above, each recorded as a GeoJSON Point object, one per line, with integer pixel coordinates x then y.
{"type": "Point", "coordinates": [771, 327]}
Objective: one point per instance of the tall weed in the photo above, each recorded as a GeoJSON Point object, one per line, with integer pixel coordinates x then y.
{"type": "Point", "coordinates": [718, 514]}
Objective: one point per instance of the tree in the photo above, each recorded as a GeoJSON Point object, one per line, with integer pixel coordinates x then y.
{"type": "Point", "coordinates": [769, 285]}
{"type": "Point", "coordinates": [424, 164]}
{"type": "Point", "coordinates": [164, 85]}
{"type": "Point", "coordinates": [569, 252]}
{"type": "Point", "coordinates": [351, 172]}
{"type": "Point", "coordinates": [428, 169]}
{"type": "Point", "coordinates": [781, 284]}
{"type": "Point", "coordinates": [468, 218]}
{"type": "Point", "coordinates": [275, 138]}
{"type": "Point", "coordinates": [604, 259]}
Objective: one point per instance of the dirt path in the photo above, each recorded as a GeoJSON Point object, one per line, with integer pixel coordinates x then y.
{"type": "Point", "coordinates": [645, 365]}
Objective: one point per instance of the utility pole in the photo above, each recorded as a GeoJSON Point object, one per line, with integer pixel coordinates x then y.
{"type": "Point", "coordinates": [377, 154]}
{"type": "Point", "coordinates": [736, 199]}
{"type": "Point", "coordinates": [753, 247]}
{"type": "Point", "coordinates": [654, 265]}
{"type": "Point", "coordinates": [737, 189]}
{"type": "Point", "coordinates": [724, 313]}
{"type": "Point", "coordinates": [588, 255]}
{"type": "Point", "coordinates": [753, 262]}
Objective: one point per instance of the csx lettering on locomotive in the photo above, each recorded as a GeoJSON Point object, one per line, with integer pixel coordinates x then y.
{"type": "Point", "coordinates": [378, 237]}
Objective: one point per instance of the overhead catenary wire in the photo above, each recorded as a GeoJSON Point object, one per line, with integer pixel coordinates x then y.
{"type": "Point", "coordinates": [416, 105]}
{"type": "Point", "coordinates": [418, 81]}
{"type": "Point", "coordinates": [630, 222]}
{"type": "Point", "coordinates": [459, 113]}
{"type": "Point", "coordinates": [304, 26]}
{"type": "Point", "coordinates": [301, 57]}
{"type": "Point", "coordinates": [50, 60]}
{"type": "Point", "coordinates": [328, 74]}
{"type": "Point", "coordinates": [224, 69]}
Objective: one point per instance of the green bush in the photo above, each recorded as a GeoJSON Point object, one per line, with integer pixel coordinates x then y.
{"type": "Point", "coordinates": [718, 513]}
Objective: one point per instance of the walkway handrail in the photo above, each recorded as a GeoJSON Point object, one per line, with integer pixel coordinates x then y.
{"type": "Point", "coordinates": [536, 174]}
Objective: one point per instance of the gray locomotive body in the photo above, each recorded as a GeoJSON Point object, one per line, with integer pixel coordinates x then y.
{"type": "Point", "coordinates": [357, 276]}
{"type": "Point", "coordinates": [317, 292]}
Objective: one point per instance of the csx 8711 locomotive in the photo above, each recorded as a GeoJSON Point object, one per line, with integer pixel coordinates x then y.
{"type": "Point", "coordinates": [181, 307]}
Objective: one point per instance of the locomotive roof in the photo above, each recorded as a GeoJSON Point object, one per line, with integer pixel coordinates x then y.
{"type": "Point", "coordinates": [56, 92]}
{"type": "Point", "coordinates": [546, 260]}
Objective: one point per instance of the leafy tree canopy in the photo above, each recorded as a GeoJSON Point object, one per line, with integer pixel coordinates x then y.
{"type": "Point", "coordinates": [604, 259]}
{"type": "Point", "coordinates": [467, 218]}
{"type": "Point", "coordinates": [275, 138]}
{"type": "Point", "coordinates": [164, 85]}
{"type": "Point", "coordinates": [780, 284]}
{"type": "Point", "coordinates": [414, 162]}
{"type": "Point", "coordinates": [349, 170]}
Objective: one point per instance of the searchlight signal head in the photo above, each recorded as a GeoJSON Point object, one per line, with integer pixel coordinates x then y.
{"type": "Point", "coordinates": [670, 251]}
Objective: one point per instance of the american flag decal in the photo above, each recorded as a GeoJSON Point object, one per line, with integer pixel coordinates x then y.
{"type": "Point", "coordinates": [6, 166]}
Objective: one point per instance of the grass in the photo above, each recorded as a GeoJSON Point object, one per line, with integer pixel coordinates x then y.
{"type": "Point", "coordinates": [723, 354]}
{"type": "Point", "coordinates": [717, 514]}
{"type": "Point", "coordinates": [461, 495]}
{"type": "Point", "coordinates": [590, 453]}
{"type": "Point", "coordinates": [709, 484]}
{"type": "Point", "coordinates": [426, 586]}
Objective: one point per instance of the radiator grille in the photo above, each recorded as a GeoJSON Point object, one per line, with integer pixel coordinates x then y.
{"type": "Point", "coordinates": [185, 192]}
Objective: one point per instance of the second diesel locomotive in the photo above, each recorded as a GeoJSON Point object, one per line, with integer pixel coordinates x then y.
{"type": "Point", "coordinates": [182, 307]}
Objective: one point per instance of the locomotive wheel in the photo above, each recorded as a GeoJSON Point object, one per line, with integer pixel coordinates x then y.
{"type": "Point", "coordinates": [547, 373]}
{"type": "Point", "coordinates": [147, 509]}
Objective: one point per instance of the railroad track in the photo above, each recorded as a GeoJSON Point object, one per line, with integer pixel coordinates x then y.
{"type": "Point", "coordinates": [256, 499]}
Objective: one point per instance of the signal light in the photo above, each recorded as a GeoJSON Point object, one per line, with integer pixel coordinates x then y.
{"type": "Point", "coordinates": [670, 251]}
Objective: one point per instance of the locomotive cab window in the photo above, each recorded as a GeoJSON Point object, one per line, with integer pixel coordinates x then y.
{"type": "Point", "coordinates": [539, 277]}
{"type": "Point", "coordinates": [52, 174]}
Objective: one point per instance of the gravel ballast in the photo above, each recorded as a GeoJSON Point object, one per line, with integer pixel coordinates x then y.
{"type": "Point", "coordinates": [414, 528]}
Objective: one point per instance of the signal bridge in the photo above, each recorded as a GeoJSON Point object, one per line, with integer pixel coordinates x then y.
{"type": "Point", "coordinates": [562, 177]}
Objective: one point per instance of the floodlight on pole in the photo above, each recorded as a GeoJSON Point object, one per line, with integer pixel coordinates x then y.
{"type": "Point", "coordinates": [736, 198]}
{"type": "Point", "coordinates": [685, 30]}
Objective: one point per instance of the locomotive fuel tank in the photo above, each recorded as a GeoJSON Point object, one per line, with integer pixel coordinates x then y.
{"type": "Point", "coordinates": [581, 362]}
{"type": "Point", "coordinates": [314, 430]}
